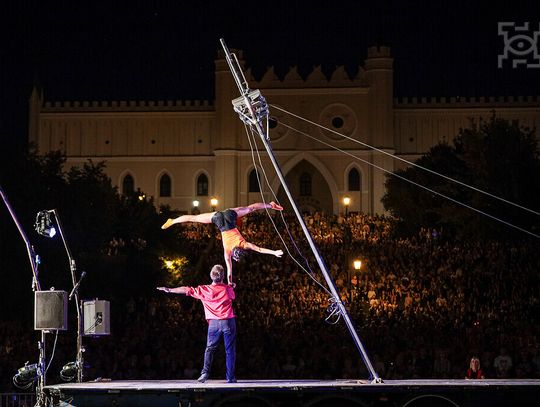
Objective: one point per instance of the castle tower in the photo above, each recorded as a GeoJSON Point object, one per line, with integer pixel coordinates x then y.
{"type": "Point", "coordinates": [380, 77]}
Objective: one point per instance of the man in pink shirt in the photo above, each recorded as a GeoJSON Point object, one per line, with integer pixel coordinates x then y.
{"type": "Point", "coordinates": [217, 300]}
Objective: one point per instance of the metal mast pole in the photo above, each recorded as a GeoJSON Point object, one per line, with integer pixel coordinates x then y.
{"type": "Point", "coordinates": [252, 107]}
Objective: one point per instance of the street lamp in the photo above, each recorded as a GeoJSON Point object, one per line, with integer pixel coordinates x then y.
{"type": "Point", "coordinates": [213, 203]}
{"type": "Point", "coordinates": [346, 202]}
{"type": "Point", "coordinates": [195, 209]}
{"type": "Point", "coordinates": [357, 264]}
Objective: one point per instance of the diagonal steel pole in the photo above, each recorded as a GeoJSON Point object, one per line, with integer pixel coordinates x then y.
{"type": "Point", "coordinates": [249, 106]}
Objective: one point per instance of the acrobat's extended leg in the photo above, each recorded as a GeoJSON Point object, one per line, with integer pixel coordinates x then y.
{"type": "Point", "coordinates": [202, 218]}
{"type": "Point", "coordinates": [244, 210]}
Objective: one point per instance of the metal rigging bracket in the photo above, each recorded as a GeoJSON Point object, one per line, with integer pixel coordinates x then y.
{"type": "Point", "coordinates": [252, 107]}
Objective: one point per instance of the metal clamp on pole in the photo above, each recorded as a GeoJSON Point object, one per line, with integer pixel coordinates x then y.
{"type": "Point", "coordinates": [252, 108]}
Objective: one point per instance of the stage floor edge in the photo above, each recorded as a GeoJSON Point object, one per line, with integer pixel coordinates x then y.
{"type": "Point", "coordinates": [312, 393]}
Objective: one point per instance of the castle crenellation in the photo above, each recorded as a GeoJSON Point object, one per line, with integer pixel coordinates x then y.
{"type": "Point", "coordinates": [378, 52]}
{"type": "Point", "coordinates": [464, 101]}
{"type": "Point", "coordinates": [128, 105]}
{"type": "Point", "coordinates": [315, 78]}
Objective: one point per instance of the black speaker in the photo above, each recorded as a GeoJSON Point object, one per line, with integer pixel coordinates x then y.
{"type": "Point", "coordinates": [96, 318]}
{"type": "Point", "coordinates": [50, 310]}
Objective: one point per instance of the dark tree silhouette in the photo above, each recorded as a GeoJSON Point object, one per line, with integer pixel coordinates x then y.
{"type": "Point", "coordinates": [494, 155]}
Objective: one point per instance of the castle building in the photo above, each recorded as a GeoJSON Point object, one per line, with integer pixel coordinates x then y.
{"type": "Point", "coordinates": [179, 152]}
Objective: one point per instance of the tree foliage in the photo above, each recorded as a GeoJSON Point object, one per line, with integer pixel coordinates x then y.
{"type": "Point", "coordinates": [115, 239]}
{"type": "Point", "coordinates": [496, 156]}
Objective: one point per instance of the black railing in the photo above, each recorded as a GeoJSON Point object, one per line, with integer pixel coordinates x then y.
{"type": "Point", "coordinates": [17, 399]}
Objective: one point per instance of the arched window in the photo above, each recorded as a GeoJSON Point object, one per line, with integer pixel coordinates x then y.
{"type": "Point", "coordinates": [202, 185]}
{"type": "Point", "coordinates": [305, 184]}
{"type": "Point", "coordinates": [165, 185]}
{"type": "Point", "coordinates": [128, 185]}
{"type": "Point", "coordinates": [354, 180]}
{"type": "Point", "coordinates": [253, 182]}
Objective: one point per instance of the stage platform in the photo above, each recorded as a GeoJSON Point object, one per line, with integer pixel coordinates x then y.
{"type": "Point", "coordinates": [284, 393]}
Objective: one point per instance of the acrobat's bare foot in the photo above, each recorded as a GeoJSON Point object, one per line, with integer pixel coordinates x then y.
{"type": "Point", "coordinates": [167, 224]}
{"type": "Point", "coordinates": [276, 206]}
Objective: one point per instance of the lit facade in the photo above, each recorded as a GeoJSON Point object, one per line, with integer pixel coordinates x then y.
{"type": "Point", "coordinates": [181, 151]}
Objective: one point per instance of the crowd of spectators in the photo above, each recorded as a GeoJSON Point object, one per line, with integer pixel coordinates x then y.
{"type": "Point", "coordinates": [423, 306]}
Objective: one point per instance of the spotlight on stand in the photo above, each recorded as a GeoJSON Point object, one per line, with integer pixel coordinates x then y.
{"type": "Point", "coordinates": [69, 371]}
{"type": "Point", "coordinates": [44, 225]}
{"type": "Point", "coordinates": [26, 376]}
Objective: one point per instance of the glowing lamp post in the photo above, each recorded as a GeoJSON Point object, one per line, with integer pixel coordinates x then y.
{"type": "Point", "coordinates": [195, 207]}
{"type": "Point", "coordinates": [357, 265]}
{"type": "Point", "coordinates": [346, 202]}
{"type": "Point", "coordinates": [214, 203]}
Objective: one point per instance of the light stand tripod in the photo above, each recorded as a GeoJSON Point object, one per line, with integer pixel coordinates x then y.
{"type": "Point", "coordinates": [74, 292]}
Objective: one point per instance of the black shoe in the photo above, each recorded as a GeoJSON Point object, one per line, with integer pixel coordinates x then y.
{"type": "Point", "coordinates": [203, 378]}
{"type": "Point", "coordinates": [231, 380]}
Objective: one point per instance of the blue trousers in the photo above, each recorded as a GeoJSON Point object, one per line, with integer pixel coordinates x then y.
{"type": "Point", "coordinates": [216, 329]}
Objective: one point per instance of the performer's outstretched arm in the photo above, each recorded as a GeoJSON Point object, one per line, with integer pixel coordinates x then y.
{"type": "Point", "coordinates": [247, 246]}
{"type": "Point", "coordinates": [244, 210]}
{"type": "Point", "coordinates": [201, 218]}
{"type": "Point", "coordinates": [255, 248]}
{"type": "Point", "coordinates": [177, 290]}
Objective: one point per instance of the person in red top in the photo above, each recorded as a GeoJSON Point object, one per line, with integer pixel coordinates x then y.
{"type": "Point", "coordinates": [233, 241]}
{"type": "Point", "coordinates": [217, 301]}
{"type": "Point", "coordinates": [474, 371]}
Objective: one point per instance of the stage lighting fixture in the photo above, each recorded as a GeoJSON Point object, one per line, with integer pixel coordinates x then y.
{"type": "Point", "coordinates": [44, 225]}
{"type": "Point", "coordinates": [69, 371]}
{"type": "Point", "coordinates": [26, 375]}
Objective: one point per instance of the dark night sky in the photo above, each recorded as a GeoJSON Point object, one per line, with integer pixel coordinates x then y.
{"type": "Point", "coordinates": [112, 50]}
